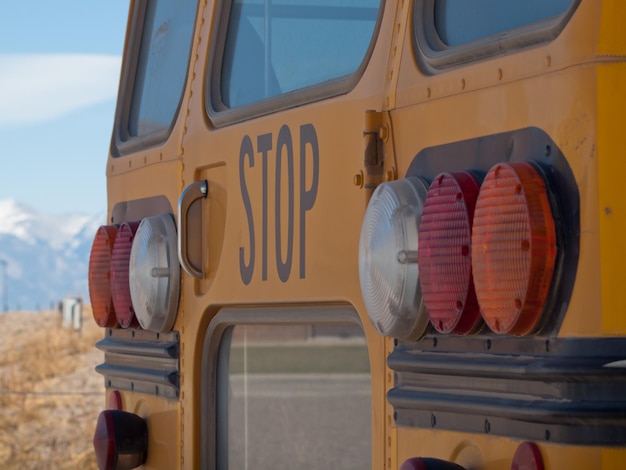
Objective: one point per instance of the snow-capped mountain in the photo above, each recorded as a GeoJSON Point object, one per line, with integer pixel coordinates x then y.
{"type": "Point", "coordinates": [46, 256]}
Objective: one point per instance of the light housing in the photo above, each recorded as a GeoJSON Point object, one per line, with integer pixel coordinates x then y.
{"type": "Point", "coordinates": [154, 273]}
{"type": "Point", "coordinates": [444, 254]}
{"type": "Point", "coordinates": [388, 267]}
{"type": "Point", "coordinates": [120, 285]}
{"type": "Point", "coordinates": [120, 440]}
{"type": "Point", "coordinates": [100, 276]}
{"type": "Point", "coordinates": [527, 457]}
{"type": "Point", "coordinates": [514, 247]}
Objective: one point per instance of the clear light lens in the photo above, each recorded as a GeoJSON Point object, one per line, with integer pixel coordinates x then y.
{"type": "Point", "coordinates": [514, 248]}
{"type": "Point", "coordinates": [388, 259]}
{"type": "Point", "coordinates": [155, 274]}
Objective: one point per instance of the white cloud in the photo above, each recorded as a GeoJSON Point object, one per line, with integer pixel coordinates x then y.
{"type": "Point", "coordinates": [40, 87]}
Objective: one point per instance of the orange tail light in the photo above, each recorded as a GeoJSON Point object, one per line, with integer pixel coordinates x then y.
{"type": "Point", "coordinates": [100, 276]}
{"type": "Point", "coordinates": [514, 248]}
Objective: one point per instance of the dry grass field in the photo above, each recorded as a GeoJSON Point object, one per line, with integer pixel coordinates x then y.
{"type": "Point", "coordinates": [50, 395]}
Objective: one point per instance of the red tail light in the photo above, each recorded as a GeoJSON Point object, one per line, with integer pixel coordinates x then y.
{"type": "Point", "coordinates": [100, 276]}
{"type": "Point", "coordinates": [444, 254]}
{"type": "Point", "coordinates": [120, 440]}
{"type": "Point", "coordinates": [527, 457]}
{"type": "Point", "coordinates": [120, 285]}
{"type": "Point", "coordinates": [513, 248]}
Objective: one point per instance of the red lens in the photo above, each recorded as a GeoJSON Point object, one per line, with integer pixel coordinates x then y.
{"type": "Point", "coordinates": [104, 442]}
{"type": "Point", "coordinates": [120, 440]}
{"type": "Point", "coordinates": [120, 285]}
{"type": "Point", "coordinates": [527, 457]}
{"type": "Point", "coordinates": [115, 401]}
{"type": "Point", "coordinates": [513, 248]}
{"type": "Point", "coordinates": [444, 254]}
{"type": "Point", "coordinates": [100, 276]}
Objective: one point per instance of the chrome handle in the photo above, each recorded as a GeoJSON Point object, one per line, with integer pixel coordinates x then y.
{"type": "Point", "coordinates": [193, 192]}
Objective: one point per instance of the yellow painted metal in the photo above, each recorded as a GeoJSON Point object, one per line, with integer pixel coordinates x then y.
{"type": "Point", "coordinates": [573, 88]}
{"type": "Point", "coordinates": [612, 203]}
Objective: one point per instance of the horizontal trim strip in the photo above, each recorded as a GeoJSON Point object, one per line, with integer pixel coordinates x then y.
{"type": "Point", "coordinates": [141, 361]}
{"type": "Point", "coordinates": [567, 395]}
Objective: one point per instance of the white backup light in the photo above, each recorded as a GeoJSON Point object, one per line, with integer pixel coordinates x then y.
{"type": "Point", "coordinates": [388, 259]}
{"type": "Point", "coordinates": [155, 274]}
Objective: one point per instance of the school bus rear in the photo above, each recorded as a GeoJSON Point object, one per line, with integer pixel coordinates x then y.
{"type": "Point", "coordinates": [363, 234]}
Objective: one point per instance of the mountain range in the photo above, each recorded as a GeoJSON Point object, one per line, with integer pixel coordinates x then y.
{"type": "Point", "coordinates": [43, 258]}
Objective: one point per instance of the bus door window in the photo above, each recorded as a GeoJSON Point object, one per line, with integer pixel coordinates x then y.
{"type": "Point", "coordinates": [293, 396]}
{"type": "Point", "coordinates": [276, 47]}
{"type": "Point", "coordinates": [461, 21]}
{"type": "Point", "coordinates": [153, 89]}
{"type": "Point", "coordinates": [451, 33]}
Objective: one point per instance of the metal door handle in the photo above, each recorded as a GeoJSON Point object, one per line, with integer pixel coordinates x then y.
{"type": "Point", "coordinates": [193, 192]}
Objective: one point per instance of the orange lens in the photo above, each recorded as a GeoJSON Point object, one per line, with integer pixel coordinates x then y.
{"type": "Point", "coordinates": [120, 284]}
{"type": "Point", "coordinates": [513, 248]}
{"type": "Point", "coordinates": [444, 258]}
{"type": "Point", "coordinates": [100, 276]}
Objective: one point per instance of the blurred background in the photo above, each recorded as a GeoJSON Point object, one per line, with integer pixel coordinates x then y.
{"type": "Point", "coordinates": [59, 72]}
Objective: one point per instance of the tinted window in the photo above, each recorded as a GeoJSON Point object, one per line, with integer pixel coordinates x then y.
{"type": "Point", "coordinates": [162, 65]}
{"type": "Point", "coordinates": [277, 46]}
{"type": "Point", "coordinates": [293, 396]}
{"type": "Point", "coordinates": [461, 21]}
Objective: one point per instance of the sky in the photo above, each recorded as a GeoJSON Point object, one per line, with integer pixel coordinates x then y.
{"type": "Point", "coordinates": [59, 74]}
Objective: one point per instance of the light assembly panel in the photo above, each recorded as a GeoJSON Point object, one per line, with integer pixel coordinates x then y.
{"type": "Point", "coordinates": [134, 275]}
{"type": "Point", "coordinates": [462, 254]}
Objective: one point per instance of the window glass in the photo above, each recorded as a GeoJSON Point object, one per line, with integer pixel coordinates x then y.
{"type": "Point", "coordinates": [162, 65]}
{"type": "Point", "coordinates": [277, 46]}
{"type": "Point", "coordinates": [461, 21]}
{"type": "Point", "coordinates": [293, 396]}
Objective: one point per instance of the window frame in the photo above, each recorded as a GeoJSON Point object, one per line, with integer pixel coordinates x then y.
{"type": "Point", "coordinates": [434, 56]}
{"type": "Point", "coordinates": [221, 115]}
{"type": "Point", "coordinates": [122, 142]}
{"type": "Point", "coordinates": [245, 316]}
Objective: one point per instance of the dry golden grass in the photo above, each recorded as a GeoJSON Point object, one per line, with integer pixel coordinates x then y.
{"type": "Point", "coordinates": [50, 394]}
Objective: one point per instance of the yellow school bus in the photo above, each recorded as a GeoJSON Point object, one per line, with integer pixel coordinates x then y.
{"type": "Point", "coordinates": [365, 234]}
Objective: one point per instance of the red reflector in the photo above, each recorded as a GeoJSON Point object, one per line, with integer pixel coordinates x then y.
{"type": "Point", "coordinates": [100, 276]}
{"type": "Point", "coordinates": [444, 253]}
{"type": "Point", "coordinates": [120, 285]}
{"type": "Point", "coordinates": [115, 401]}
{"type": "Point", "coordinates": [120, 440]}
{"type": "Point", "coordinates": [513, 248]}
{"type": "Point", "coordinates": [527, 457]}
{"type": "Point", "coordinates": [419, 463]}
{"type": "Point", "coordinates": [104, 442]}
